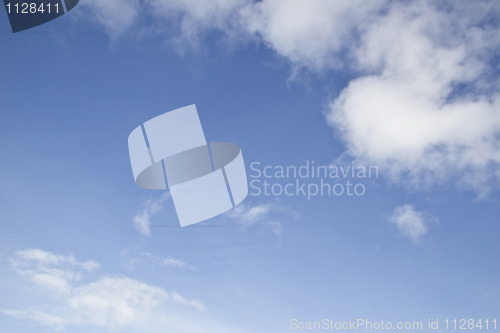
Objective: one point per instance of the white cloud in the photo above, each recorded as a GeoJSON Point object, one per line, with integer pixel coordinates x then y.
{"type": "Point", "coordinates": [41, 259]}
{"type": "Point", "coordinates": [193, 17]}
{"type": "Point", "coordinates": [174, 262]}
{"type": "Point", "coordinates": [115, 302]}
{"type": "Point", "coordinates": [269, 215]}
{"type": "Point", "coordinates": [411, 223]}
{"type": "Point", "coordinates": [144, 257]}
{"type": "Point", "coordinates": [192, 303]}
{"type": "Point", "coordinates": [310, 33]}
{"type": "Point", "coordinates": [249, 215]}
{"type": "Point", "coordinates": [48, 270]}
{"type": "Point", "coordinates": [46, 320]}
{"type": "Point", "coordinates": [142, 221]}
{"type": "Point", "coordinates": [424, 101]}
{"type": "Point", "coordinates": [428, 110]}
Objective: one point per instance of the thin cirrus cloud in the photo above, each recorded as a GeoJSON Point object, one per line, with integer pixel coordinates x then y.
{"type": "Point", "coordinates": [174, 262]}
{"type": "Point", "coordinates": [194, 17]}
{"type": "Point", "coordinates": [108, 302]}
{"type": "Point", "coordinates": [50, 271]}
{"type": "Point", "coordinates": [148, 258]}
{"type": "Point", "coordinates": [423, 103]}
{"type": "Point", "coordinates": [249, 215]}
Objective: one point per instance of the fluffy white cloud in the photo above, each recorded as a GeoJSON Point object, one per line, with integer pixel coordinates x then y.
{"type": "Point", "coordinates": [108, 302]}
{"type": "Point", "coordinates": [310, 33]}
{"type": "Point", "coordinates": [429, 109]}
{"type": "Point", "coordinates": [424, 101]}
{"type": "Point", "coordinates": [410, 222]}
{"type": "Point", "coordinates": [142, 221]}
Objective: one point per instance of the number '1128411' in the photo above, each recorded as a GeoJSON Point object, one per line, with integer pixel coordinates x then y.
{"type": "Point", "coordinates": [32, 8]}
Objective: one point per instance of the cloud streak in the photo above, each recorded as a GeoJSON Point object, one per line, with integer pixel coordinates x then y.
{"type": "Point", "coordinates": [268, 215]}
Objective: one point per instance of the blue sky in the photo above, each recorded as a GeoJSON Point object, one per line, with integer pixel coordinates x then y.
{"type": "Point", "coordinates": [410, 87]}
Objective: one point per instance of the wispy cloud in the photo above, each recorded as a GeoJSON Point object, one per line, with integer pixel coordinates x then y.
{"type": "Point", "coordinates": [54, 322]}
{"type": "Point", "coordinates": [113, 302]}
{"type": "Point", "coordinates": [411, 223]}
{"type": "Point", "coordinates": [183, 301]}
{"type": "Point", "coordinates": [115, 16]}
{"type": "Point", "coordinates": [427, 112]}
{"type": "Point", "coordinates": [268, 215]}
{"type": "Point", "coordinates": [145, 257]}
{"type": "Point", "coordinates": [48, 270]}
{"type": "Point", "coordinates": [107, 302]}
{"type": "Point", "coordinates": [310, 34]}
{"type": "Point", "coordinates": [142, 221]}
{"type": "Point", "coordinates": [174, 262]}
{"type": "Point", "coordinates": [249, 215]}
{"type": "Point", "coordinates": [193, 19]}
